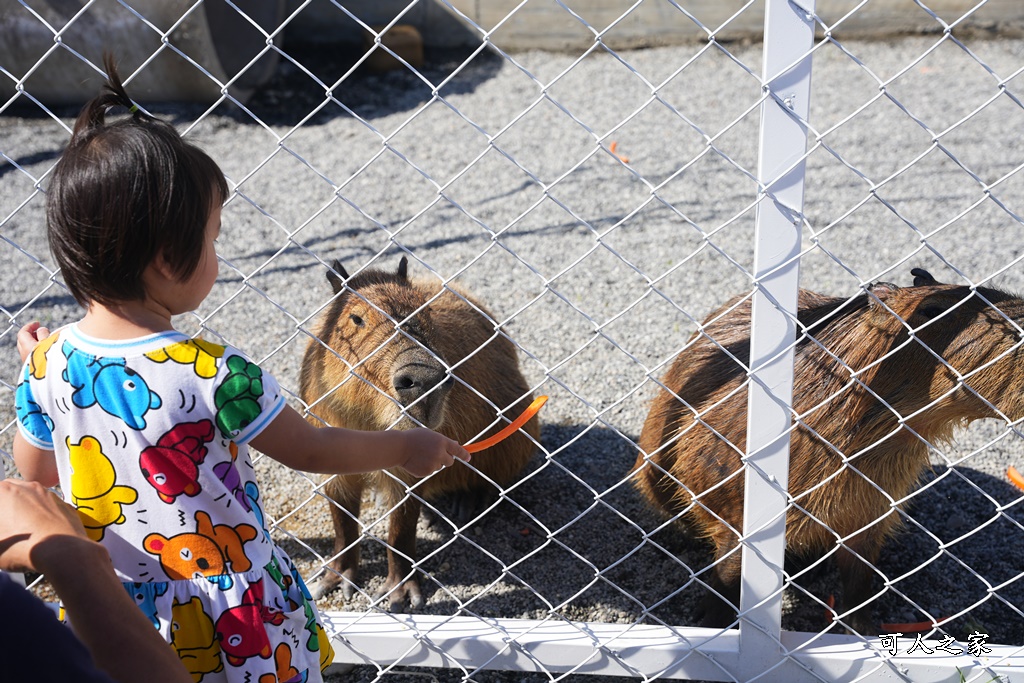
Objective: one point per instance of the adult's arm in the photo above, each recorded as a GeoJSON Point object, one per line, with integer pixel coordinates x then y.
{"type": "Point", "coordinates": [39, 532]}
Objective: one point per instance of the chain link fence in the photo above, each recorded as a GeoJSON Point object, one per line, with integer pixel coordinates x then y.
{"type": "Point", "coordinates": [598, 205]}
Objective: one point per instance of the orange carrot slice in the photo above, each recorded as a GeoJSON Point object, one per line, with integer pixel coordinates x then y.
{"type": "Point", "coordinates": [1015, 476]}
{"type": "Point", "coordinates": [511, 429]}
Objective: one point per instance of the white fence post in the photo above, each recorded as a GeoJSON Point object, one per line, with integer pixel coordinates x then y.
{"type": "Point", "coordinates": [789, 35]}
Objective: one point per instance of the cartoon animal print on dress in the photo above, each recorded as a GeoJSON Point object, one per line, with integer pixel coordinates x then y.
{"type": "Point", "coordinates": [227, 472]}
{"type": "Point", "coordinates": [37, 359]}
{"type": "Point", "coordinates": [109, 383]}
{"type": "Point", "coordinates": [212, 551]}
{"type": "Point", "coordinates": [194, 639]}
{"type": "Point", "coordinates": [284, 581]}
{"type": "Point", "coordinates": [285, 672]}
{"type": "Point", "coordinates": [30, 414]}
{"type": "Point", "coordinates": [200, 354]}
{"type": "Point", "coordinates": [93, 490]}
{"type": "Point", "coordinates": [145, 595]}
{"type": "Point", "coordinates": [237, 397]}
{"type": "Point", "coordinates": [172, 465]}
{"type": "Point", "coordinates": [252, 494]}
{"type": "Point", "coordinates": [240, 629]}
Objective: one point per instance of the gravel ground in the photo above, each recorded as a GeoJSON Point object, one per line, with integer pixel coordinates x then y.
{"type": "Point", "coordinates": [600, 281]}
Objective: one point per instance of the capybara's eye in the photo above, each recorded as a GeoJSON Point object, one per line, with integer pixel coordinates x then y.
{"type": "Point", "coordinates": [234, 640]}
{"type": "Point", "coordinates": [186, 554]}
{"type": "Point", "coordinates": [356, 320]}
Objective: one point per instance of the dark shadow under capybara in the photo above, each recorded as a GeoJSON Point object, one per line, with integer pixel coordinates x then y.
{"type": "Point", "coordinates": [877, 378]}
{"type": "Point", "coordinates": [390, 352]}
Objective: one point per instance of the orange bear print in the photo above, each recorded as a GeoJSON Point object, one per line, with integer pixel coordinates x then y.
{"type": "Point", "coordinates": [211, 551]}
{"type": "Point", "coordinates": [285, 671]}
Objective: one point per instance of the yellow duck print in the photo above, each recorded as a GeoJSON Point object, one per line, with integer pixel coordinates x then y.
{"type": "Point", "coordinates": [200, 354]}
{"type": "Point", "coordinates": [93, 491]}
{"type": "Point", "coordinates": [194, 639]}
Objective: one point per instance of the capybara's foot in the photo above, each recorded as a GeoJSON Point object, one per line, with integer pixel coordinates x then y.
{"type": "Point", "coordinates": [459, 508]}
{"type": "Point", "coordinates": [714, 612]}
{"type": "Point", "coordinates": [401, 594]}
{"type": "Point", "coordinates": [330, 582]}
{"type": "Point", "coordinates": [860, 623]}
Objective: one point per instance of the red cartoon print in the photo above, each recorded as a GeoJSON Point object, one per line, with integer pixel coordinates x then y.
{"type": "Point", "coordinates": [240, 629]}
{"type": "Point", "coordinates": [172, 465]}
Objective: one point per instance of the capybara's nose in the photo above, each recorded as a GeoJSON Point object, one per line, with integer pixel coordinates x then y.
{"type": "Point", "coordinates": [415, 379]}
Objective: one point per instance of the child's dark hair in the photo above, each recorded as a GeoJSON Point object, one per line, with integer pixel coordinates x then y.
{"type": "Point", "coordinates": [124, 193]}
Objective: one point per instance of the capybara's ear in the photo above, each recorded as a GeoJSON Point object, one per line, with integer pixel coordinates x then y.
{"type": "Point", "coordinates": [881, 303]}
{"type": "Point", "coordinates": [337, 275]}
{"type": "Point", "coordinates": [880, 291]}
{"type": "Point", "coordinates": [403, 268]}
{"type": "Point", "coordinates": [933, 306]}
{"type": "Point", "coordinates": [922, 278]}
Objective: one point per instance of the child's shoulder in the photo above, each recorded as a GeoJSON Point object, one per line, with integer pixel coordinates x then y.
{"type": "Point", "coordinates": [204, 356]}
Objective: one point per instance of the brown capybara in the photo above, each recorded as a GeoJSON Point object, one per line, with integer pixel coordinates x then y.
{"type": "Point", "coordinates": [871, 393]}
{"type": "Point", "coordinates": [389, 348]}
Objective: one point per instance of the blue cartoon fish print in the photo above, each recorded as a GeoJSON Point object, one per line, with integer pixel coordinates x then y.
{"type": "Point", "coordinates": [109, 383]}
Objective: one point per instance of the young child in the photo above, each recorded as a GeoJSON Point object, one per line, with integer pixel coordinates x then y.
{"type": "Point", "coordinates": [148, 431]}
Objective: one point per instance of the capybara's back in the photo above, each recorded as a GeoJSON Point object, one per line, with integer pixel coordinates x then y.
{"type": "Point", "coordinates": [391, 352]}
{"type": "Point", "coordinates": [877, 378]}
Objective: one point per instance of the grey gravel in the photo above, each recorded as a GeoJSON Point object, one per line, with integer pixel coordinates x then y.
{"type": "Point", "coordinates": [598, 270]}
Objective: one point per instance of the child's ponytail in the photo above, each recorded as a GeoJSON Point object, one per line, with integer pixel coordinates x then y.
{"type": "Point", "coordinates": [113, 94]}
{"type": "Point", "coordinates": [124, 192]}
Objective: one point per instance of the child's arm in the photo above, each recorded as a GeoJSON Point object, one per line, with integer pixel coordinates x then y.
{"type": "Point", "coordinates": [35, 464]}
{"type": "Point", "coordinates": [296, 443]}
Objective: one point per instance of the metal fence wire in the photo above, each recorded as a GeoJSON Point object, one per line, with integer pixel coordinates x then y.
{"type": "Point", "coordinates": [608, 221]}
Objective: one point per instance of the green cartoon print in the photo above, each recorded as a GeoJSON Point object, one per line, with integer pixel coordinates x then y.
{"type": "Point", "coordinates": [237, 398]}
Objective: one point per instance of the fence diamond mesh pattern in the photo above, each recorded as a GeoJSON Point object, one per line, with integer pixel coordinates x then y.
{"type": "Point", "coordinates": [597, 208]}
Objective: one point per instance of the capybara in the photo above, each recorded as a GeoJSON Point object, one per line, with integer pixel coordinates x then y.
{"type": "Point", "coordinates": [877, 378]}
{"type": "Point", "coordinates": [388, 348]}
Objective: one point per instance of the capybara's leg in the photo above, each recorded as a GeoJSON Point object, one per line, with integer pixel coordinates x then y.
{"type": "Point", "coordinates": [856, 575]}
{"type": "Point", "coordinates": [721, 602]}
{"type": "Point", "coordinates": [346, 493]}
{"type": "Point", "coordinates": [401, 555]}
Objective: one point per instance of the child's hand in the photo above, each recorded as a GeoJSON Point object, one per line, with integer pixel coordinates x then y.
{"type": "Point", "coordinates": [29, 336]}
{"type": "Point", "coordinates": [429, 451]}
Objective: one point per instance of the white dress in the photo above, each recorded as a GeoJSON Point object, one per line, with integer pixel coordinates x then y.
{"type": "Point", "coordinates": [150, 441]}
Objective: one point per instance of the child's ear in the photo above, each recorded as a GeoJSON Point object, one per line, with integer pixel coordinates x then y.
{"type": "Point", "coordinates": [163, 268]}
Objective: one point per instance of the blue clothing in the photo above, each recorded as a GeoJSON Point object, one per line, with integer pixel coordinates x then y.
{"type": "Point", "coordinates": [35, 646]}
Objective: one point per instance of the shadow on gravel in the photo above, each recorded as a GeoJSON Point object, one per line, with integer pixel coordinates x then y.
{"type": "Point", "coordinates": [574, 539]}
{"type": "Point", "coordinates": [295, 92]}
{"type": "Point", "coordinates": [298, 88]}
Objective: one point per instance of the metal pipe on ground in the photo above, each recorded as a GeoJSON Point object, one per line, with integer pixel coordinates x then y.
{"type": "Point", "coordinates": [190, 52]}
